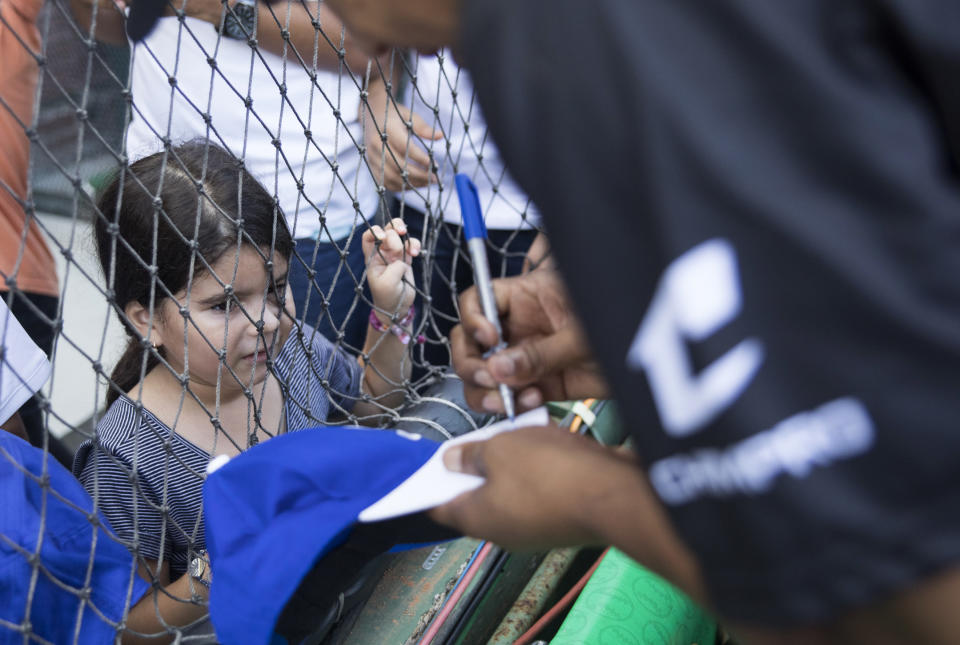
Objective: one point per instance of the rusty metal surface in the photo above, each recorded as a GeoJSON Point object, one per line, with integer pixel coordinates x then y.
{"type": "Point", "coordinates": [490, 609]}
{"type": "Point", "coordinates": [410, 592]}
{"type": "Point", "coordinates": [531, 601]}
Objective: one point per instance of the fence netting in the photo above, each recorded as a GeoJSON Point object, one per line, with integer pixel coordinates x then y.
{"type": "Point", "coordinates": [184, 227]}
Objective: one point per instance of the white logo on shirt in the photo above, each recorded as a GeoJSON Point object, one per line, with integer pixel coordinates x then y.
{"type": "Point", "coordinates": [836, 430]}
{"type": "Point", "coordinates": [698, 294]}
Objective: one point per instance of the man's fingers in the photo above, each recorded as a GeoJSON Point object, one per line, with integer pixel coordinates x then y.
{"type": "Point", "coordinates": [425, 130]}
{"type": "Point", "coordinates": [471, 312]}
{"type": "Point", "coordinates": [392, 180]}
{"type": "Point", "coordinates": [461, 513]}
{"type": "Point", "coordinates": [529, 398]}
{"type": "Point", "coordinates": [466, 458]}
{"type": "Point", "coordinates": [465, 349]}
{"type": "Point", "coordinates": [465, 512]}
{"type": "Point", "coordinates": [413, 155]}
{"type": "Point", "coordinates": [414, 162]}
{"type": "Point", "coordinates": [475, 324]}
{"type": "Point", "coordinates": [468, 363]}
{"type": "Point", "coordinates": [418, 177]}
{"type": "Point", "coordinates": [531, 360]}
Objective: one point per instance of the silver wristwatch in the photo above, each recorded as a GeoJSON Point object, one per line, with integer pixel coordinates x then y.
{"type": "Point", "coordinates": [198, 568]}
{"type": "Point", "coordinates": [240, 21]}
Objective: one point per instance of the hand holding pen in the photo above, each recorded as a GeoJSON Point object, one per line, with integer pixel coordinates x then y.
{"type": "Point", "coordinates": [476, 233]}
{"type": "Point", "coordinates": [548, 357]}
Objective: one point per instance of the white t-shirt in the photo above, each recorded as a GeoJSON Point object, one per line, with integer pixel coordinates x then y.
{"type": "Point", "coordinates": [24, 367]}
{"type": "Point", "coordinates": [471, 149]}
{"type": "Point", "coordinates": [162, 108]}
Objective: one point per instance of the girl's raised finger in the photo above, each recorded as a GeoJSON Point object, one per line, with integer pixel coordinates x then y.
{"type": "Point", "coordinates": [413, 246]}
{"type": "Point", "coordinates": [391, 243]}
{"type": "Point", "coordinates": [398, 225]}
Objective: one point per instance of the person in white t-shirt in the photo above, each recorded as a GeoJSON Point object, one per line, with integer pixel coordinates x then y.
{"type": "Point", "coordinates": [447, 136]}
{"type": "Point", "coordinates": [289, 108]}
{"type": "Point", "coordinates": [24, 369]}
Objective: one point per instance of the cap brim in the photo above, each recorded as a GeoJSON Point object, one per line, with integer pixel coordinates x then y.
{"type": "Point", "coordinates": [273, 511]}
{"type": "Point", "coordinates": [432, 484]}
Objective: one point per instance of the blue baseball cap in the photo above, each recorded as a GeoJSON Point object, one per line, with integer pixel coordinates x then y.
{"type": "Point", "coordinates": [274, 511]}
{"type": "Point", "coordinates": [291, 522]}
{"type": "Point", "coordinates": [61, 515]}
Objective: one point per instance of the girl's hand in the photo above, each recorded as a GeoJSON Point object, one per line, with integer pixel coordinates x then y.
{"type": "Point", "coordinates": [389, 252]}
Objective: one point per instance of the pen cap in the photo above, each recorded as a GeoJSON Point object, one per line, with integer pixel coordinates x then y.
{"type": "Point", "coordinates": [473, 225]}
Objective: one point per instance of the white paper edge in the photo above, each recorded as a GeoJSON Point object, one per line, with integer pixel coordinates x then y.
{"type": "Point", "coordinates": [435, 475]}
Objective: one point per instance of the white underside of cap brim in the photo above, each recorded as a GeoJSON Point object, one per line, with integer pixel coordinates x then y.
{"type": "Point", "coordinates": [432, 484]}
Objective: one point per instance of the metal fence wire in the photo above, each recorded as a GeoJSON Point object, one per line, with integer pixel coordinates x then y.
{"type": "Point", "coordinates": [206, 233]}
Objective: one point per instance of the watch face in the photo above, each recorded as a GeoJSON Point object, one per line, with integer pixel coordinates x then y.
{"type": "Point", "coordinates": [239, 22]}
{"type": "Point", "coordinates": [196, 567]}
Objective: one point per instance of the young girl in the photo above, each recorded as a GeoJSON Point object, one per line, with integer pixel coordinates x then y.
{"type": "Point", "coordinates": [196, 253]}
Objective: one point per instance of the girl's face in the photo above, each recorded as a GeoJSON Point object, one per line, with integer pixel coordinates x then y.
{"type": "Point", "coordinates": [225, 306]}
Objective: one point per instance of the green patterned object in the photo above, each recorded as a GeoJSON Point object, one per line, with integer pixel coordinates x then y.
{"type": "Point", "coordinates": [626, 604]}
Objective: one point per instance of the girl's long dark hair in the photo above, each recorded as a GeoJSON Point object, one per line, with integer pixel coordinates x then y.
{"type": "Point", "coordinates": [190, 202]}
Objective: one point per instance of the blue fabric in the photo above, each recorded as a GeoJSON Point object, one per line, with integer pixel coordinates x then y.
{"type": "Point", "coordinates": [339, 290]}
{"type": "Point", "coordinates": [276, 509]}
{"type": "Point", "coordinates": [61, 518]}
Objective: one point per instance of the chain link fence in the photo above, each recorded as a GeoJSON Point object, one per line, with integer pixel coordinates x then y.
{"type": "Point", "coordinates": [253, 230]}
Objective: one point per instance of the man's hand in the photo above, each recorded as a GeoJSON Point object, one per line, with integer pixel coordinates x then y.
{"type": "Point", "coordinates": [548, 357]}
{"type": "Point", "coordinates": [547, 488]}
{"type": "Point", "coordinates": [397, 161]}
{"type": "Point", "coordinates": [540, 484]}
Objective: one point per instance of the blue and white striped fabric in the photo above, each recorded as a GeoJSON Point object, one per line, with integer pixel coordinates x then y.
{"type": "Point", "coordinates": [157, 507]}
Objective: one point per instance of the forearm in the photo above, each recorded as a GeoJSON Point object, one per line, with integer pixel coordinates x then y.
{"type": "Point", "coordinates": [310, 29]}
{"type": "Point", "coordinates": [378, 99]}
{"type": "Point", "coordinates": [624, 511]}
{"type": "Point", "coordinates": [385, 371]}
{"type": "Point", "coordinates": [381, 105]}
{"type": "Point", "coordinates": [176, 605]}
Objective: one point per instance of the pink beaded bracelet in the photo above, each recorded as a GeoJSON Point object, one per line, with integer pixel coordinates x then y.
{"type": "Point", "coordinates": [398, 329]}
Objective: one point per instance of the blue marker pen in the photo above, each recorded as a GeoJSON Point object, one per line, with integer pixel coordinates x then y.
{"type": "Point", "coordinates": [476, 233]}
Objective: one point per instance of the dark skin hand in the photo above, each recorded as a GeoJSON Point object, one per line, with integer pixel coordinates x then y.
{"type": "Point", "coordinates": [542, 491]}
{"type": "Point", "coordinates": [548, 358]}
